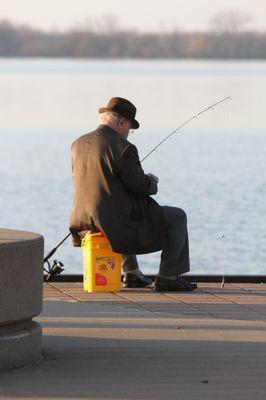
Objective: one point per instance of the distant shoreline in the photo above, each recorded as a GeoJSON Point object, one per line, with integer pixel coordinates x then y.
{"type": "Point", "coordinates": [58, 58]}
{"type": "Point", "coordinates": [24, 42]}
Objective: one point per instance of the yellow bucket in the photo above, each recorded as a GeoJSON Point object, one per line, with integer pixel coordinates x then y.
{"type": "Point", "coordinates": [101, 266]}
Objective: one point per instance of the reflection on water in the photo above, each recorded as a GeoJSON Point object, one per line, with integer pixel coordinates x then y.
{"type": "Point", "coordinates": [213, 168]}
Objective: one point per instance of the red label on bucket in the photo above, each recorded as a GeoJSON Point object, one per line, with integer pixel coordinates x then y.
{"type": "Point", "coordinates": [100, 280]}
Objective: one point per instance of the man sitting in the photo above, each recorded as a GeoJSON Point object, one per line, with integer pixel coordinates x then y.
{"type": "Point", "coordinates": [112, 194]}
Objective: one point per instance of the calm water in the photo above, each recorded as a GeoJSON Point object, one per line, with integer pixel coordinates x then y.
{"type": "Point", "coordinates": [214, 168]}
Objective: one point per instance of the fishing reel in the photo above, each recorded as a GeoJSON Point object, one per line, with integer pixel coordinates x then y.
{"type": "Point", "coordinates": [54, 269]}
{"type": "Point", "coordinates": [57, 266]}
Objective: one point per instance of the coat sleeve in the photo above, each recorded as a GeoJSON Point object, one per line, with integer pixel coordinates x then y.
{"type": "Point", "coordinates": [132, 174]}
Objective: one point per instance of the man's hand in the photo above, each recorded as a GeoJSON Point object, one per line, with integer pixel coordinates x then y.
{"type": "Point", "coordinates": [153, 177]}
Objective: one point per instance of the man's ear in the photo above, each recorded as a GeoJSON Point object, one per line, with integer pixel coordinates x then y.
{"type": "Point", "coordinates": [121, 121]}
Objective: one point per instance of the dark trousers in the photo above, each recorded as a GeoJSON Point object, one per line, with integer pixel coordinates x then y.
{"type": "Point", "coordinates": [175, 254]}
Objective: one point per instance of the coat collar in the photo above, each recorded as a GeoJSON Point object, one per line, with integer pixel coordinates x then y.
{"type": "Point", "coordinates": [106, 128]}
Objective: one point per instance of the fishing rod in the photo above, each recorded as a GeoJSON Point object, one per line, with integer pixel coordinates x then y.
{"type": "Point", "coordinates": [180, 127]}
{"type": "Point", "coordinates": [185, 123]}
{"type": "Point", "coordinates": [57, 266]}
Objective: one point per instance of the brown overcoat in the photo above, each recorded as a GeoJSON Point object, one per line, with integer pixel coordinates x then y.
{"type": "Point", "coordinates": [112, 194]}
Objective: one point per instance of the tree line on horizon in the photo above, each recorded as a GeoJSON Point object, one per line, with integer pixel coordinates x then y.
{"type": "Point", "coordinates": [227, 42]}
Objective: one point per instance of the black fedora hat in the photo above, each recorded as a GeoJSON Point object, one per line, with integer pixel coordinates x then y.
{"type": "Point", "coordinates": [122, 107]}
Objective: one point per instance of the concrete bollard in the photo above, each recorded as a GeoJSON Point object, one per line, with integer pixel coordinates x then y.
{"type": "Point", "coordinates": [21, 293]}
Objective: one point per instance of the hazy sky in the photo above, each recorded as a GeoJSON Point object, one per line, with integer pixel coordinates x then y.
{"type": "Point", "coordinates": [140, 14]}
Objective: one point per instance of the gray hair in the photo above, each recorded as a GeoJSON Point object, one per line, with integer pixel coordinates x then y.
{"type": "Point", "coordinates": [109, 116]}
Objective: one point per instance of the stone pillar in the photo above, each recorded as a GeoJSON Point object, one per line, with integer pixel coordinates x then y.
{"type": "Point", "coordinates": [21, 293]}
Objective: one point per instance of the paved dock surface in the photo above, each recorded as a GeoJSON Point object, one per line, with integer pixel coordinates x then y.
{"type": "Point", "coordinates": [138, 344]}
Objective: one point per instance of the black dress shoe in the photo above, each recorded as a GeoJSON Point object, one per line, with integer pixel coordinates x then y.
{"type": "Point", "coordinates": [136, 280]}
{"type": "Point", "coordinates": [175, 285]}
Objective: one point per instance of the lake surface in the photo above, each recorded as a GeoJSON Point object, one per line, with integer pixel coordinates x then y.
{"type": "Point", "coordinates": [214, 168]}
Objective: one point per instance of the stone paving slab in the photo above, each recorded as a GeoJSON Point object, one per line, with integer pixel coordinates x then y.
{"type": "Point", "coordinates": [138, 344]}
{"type": "Point", "coordinates": [209, 299]}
